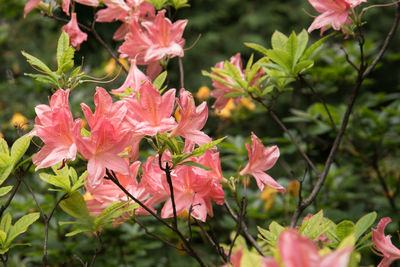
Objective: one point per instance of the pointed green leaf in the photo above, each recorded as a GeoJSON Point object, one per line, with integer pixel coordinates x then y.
{"type": "Point", "coordinates": [5, 160]}
{"type": "Point", "coordinates": [62, 46]}
{"type": "Point", "coordinates": [21, 226]}
{"type": "Point", "coordinates": [57, 180]}
{"type": "Point", "coordinates": [302, 66]}
{"type": "Point", "coordinates": [80, 230]}
{"type": "Point", "coordinates": [302, 44]}
{"type": "Point", "coordinates": [282, 58]}
{"type": "Point", "coordinates": [67, 60]}
{"type": "Point", "coordinates": [5, 190]}
{"type": "Point", "coordinates": [38, 63]}
{"type": "Point", "coordinates": [312, 48]}
{"type": "Point", "coordinates": [107, 212]}
{"type": "Point", "coordinates": [46, 79]}
{"type": "Point", "coordinates": [3, 237]}
{"type": "Point", "coordinates": [159, 80]}
{"type": "Point", "coordinates": [235, 74]}
{"type": "Point", "coordinates": [291, 48]}
{"type": "Point", "coordinates": [279, 40]}
{"type": "Point", "coordinates": [195, 164]}
{"type": "Point", "coordinates": [19, 148]}
{"type": "Point", "coordinates": [363, 224]}
{"type": "Point", "coordinates": [200, 150]}
{"type": "Point", "coordinates": [4, 173]}
{"type": "Point", "coordinates": [75, 206]}
{"type": "Point", "coordinates": [344, 229]}
{"type": "Point", "coordinates": [4, 146]}
{"type": "Point", "coordinates": [5, 222]}
{"type": "Point", "coordinates": [257, 47]}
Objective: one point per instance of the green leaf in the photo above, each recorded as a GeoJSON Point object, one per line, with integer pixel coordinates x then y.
{"type": "Point", "coordinates": [5, 160]}
{"type": "Point", "coordinates": [159, 80]}
{"type": "Point", "coordinates": [195, 164]}
{"type": "Point", "coordinates": [3, 237]}
{"type": "Point", "coordinates": [21, 226]}
{"type": "Point", "coordinates": [107, 212]}
{"type": "Point", "coordinates": [291, 48]}
{"type": "Point", "coordinates": [57, 180]}
{"type": "Point", "coordinates": [302, 66]}
{"type": "Point", "coordinates": [5, 190]}
{"type": "Point", "coordinates": [363, 224]}
{"type": "Point", "coordinates": [312, 48]}
{"type": "Point", "coordinates": [80, 182]}
{"type": "Point", "coordinates": [257, 47]}
{"type": "Point", "coordinates": [279, 40]}
{"type": "Point", "coordinates": [62, 46]}
{"type": "Point", "coordinates": [67, 60]}
{"type": "Point", "coordinates": [46, 79]}
{"type": "Point", "coordinates": [347, 241]}
{"type": "Point", "coordinates": [5, 222]}
{"type": "Point", "coordinates": [282, 58]}
{"type": "Point", "coordinates": [200, 150]}
{"type": "Point", "coordinates": [4, 173]}
{"type": "Point", "coordinates": [19, 148]}
{"type": "Point", "coordinates": [344, 229]}
{"type": "Point", "coordinates": [302, 44]}
{"type": "Point", "coordinates": [75, 206]}
{"type": "Point", "coordinates": [235, 74]}
{"type": "Point", "coordinates": [79, 230]}
{"type": "Point", "coordinates": [4, 146]}
{"type": "Point", "coordinates": [38, 63]}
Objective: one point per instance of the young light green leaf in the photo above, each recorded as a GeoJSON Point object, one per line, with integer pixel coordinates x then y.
{"type": "Point", "coordinates": [257, 47]}
{"type": "Point", "coordinates": [279, 40]}
{"type": "Point", "coordinates": [38, 63]}
{"type": "Point", "coordinates": [312, 48]}
{"type": "Point", "coordinates": [107, 212]}
{"type": "Point", "coordinates": [46, 79]}
{"type": "Point", "coordinates": [303, 66]}
{"type": "Point", "coordinates": [21, 226]}
{"type": "Point", "coordinates": [344, 229]}
{"type": "Point", "coordinates": [235, 74]}
{"type": "Point", "coordinates": [57, 180]}
{"type": "Point", "coordinates": [363, 224]}
{"type": "Point", "coordinates": [4, 146]}
{"type": "Point", "coordinates": [195, 164]}
{"type": "Point", "coordinates": [75, 206]}
{"type": "Point", "coordinates": [62, 46]}
{"type": "Point", "coordinates": [79, 230]}
{"type": "Point", "coordinates": [200, 150]}
{"type": "Point", "coordinates": [159, 80]}
{"type": "Point", "coordinates": [67, 60]}
{"type": "Point", "coordinates": [347, 241]}
{"type": "Point", "coordinates": [5, 222]}
{"type": "Point", "coordinates": [5, 172]}
{"type": "Point", "coordinates": [5, 160]}
{"type": "Point", "coordinates": [19, 148]}
{"type": "Point", "coordinates": [302, 39]}
{"type": "Point", "coordinates": [291, 48]}
{"type": "Point", "coordinates": [282, 58]}
{"type": "Point", "coordinates": [3, 237]}
{"type": "Point", "coordinates": [5, 190]}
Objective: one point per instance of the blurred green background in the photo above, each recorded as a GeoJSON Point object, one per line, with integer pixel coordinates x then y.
{"type": "Point", "coordinates": [353, 186]}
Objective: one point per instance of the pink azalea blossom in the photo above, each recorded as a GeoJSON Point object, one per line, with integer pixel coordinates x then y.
{"type": "Point", "coordinates": [262, 159]}
{"type": "Point", "coordinates": [76, 36]}
{"type": "Point", "coordinates": [55, 126]}
{"type": "Point", "coordinates": [299, 251]}
{"type": "Point", "coordinates": [107, 192]}
{"type": "Point", "coordinates": [30, 5]}
{"type": "Point", "coordinates": [334, 13]}
{"type": "Point", "coordinates": [134, 79]}
{"type": "Point", "coordinates": [221, 89]}
{"type": "Point", "coordinates": [384, 244]}
{"type": "Point", "coordinates": [66, 4]}
{"type": "Point", "coordinates": [122, 11]}
{"type": "Point", "coordinates": [192, 120]}
{"type": "Point", "coordinates": [149, 112]}
{"type": "Point", "coordinates": [155, 40]}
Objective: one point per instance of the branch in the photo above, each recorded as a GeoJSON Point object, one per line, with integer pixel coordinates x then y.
{"type": "Point", "coordinates": [388, 38]}
{"type": "Point", "coordinates": [10, 198]}
{"type": "Point", "coordinates": [167, 171]}
{"type": "Point", "coordinates": [245, 230]}
{"type": "Point", "coordinates": [98, 250]}
{"type": "Point", "coordinates": [181, 72]}
{"type": "Point", "coordinates": [220, 251]}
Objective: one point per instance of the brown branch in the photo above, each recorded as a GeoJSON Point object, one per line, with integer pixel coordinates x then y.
{"type": "Point", "coordinates": [181, 72]}
{"type": "Point", "coordinates": [220, 251]}
{"type": "Point", "coordinates": [304, 81]}
{"type": "Point", "coordinates": [245, 230]}
{"type": "Point", "coordinates": [97, 250]}
{"type": "Point", "coordinates": [10, 198]}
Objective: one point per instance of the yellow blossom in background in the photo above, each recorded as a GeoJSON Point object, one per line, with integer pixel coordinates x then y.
{"type": "Point", "coordinates": [87, 196]}
{"type": "Point", "coordinates": [1, 135]}
{"type": "Point", "coordinates": [293, 188]}
{"type": "Point", "coordinates": [247, 103]}
{"type": "Point", "coordinates": [19, 120]}
{"type": "Point", "coordinates": [180, 246]}
{"type": "Point", "coordinates": [112, 65]}
{"type": "Point", "coordinates": [226, 112]}
{"type": "Point", "coordinates": [83, 123]}
{"type": "Point", "coordinates": [248, 180]}
{"type": "Point", "coordinates": [177, 115]}
{"type": "Point", "coordinates": [203, 93]}
{"type": "Point", "coordinates": [269, 196]}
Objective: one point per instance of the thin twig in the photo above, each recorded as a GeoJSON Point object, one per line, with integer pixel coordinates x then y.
{"type": "Point", "coordinates": [98, 250]}
{"type": "Point", "coordinates": [220, 251]}
{"type": "Point", "coordinates": [10, 198]}
{"type": "Point", "coordinates": [181, 72]}
{"type": "Point", "coordinates": [304, 81]}
{"type": "Point", "coordinates": [348, 59]}
{"type": "Point", "coordinates": [245, 230]}
{"type": "Point", "coordinates": [154, 235]}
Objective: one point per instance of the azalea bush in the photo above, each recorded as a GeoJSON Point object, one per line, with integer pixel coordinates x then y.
{"type": "Point", "coordinates": [140, 173]}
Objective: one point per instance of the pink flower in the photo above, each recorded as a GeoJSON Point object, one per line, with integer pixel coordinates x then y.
{"type": "Point", "coordinates": [76, 36]}
{"type": "Point", "coordinates": [30, 6]}
{"type": "Point", "coordinates": [55, 126]}
{"type": "Point", "coordinates": [262, 159]}
{"type": "Point", "coordinates": [107, 192]}
{"type": "Point", "coordinates": [66, 4]}
{"type": "Point", "coordinates": [192, 120]}
{"type": "Point", "coordinates": [155, 40]}
{"type": "Point", "coordinates": [221, 89]}
{"type": "Point", "coordinates": [334, 13]}
{"type": "Point", "coordinates": [134, 79]}
{"type": "Point", "coordinates": [384, 244]}
{"type": "Point", "coordinates": [149, 112]}
{"type": "Point", "coordinates": [121, 10]}
{"type": "Point", "coordinates": [299, 251]}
